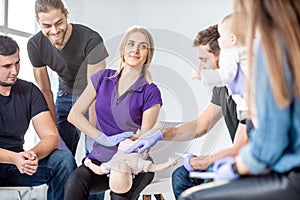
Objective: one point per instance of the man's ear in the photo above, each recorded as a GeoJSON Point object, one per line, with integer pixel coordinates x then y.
{"type": "Point", "coordinates": [66, 13]}
{"type": "Point", "coordinates": [233, 39]}
{"type": "Point", "coordinates": [37, 20]}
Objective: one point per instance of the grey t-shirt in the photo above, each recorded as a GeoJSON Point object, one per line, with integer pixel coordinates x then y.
{"type": "Point", "coordinates": [221, 98]}
{"type": "Point", "coordinates": [85, 46]}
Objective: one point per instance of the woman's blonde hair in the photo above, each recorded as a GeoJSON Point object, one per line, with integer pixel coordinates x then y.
{"type": "Point", "coordinates": [150, 42]}
{"type": "Point", "coordinates": [277, 23]}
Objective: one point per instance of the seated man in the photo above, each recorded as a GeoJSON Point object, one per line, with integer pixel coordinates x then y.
{"type": "Point", "coordinates": [21, 102]}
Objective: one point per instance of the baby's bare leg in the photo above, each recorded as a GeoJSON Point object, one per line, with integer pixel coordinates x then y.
{"type": "Point", "coordinates": [120, 180]}
{"type": "Point", "coordinates": [163, 166]}
{"type": "Point", "coordinates": [95, 168]}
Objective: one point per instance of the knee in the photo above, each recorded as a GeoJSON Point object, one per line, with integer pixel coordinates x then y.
{"type": "Point", "coordinates": [64, 160]}
{"type": "Point", "coordinates": [70, 183]}
{"type": "Point", "coordinates": [180, 173]}
{"type": "Point", "coordinates": [77, 181]}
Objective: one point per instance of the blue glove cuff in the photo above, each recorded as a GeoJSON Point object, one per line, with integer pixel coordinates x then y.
{"type": "Point", "coordinates": [186, 163]}
{"type": "Point", "coordinates": [160, 135]}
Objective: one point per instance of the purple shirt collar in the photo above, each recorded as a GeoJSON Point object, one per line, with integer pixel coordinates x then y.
{"type": "Point", "coordinates": [136, 86]}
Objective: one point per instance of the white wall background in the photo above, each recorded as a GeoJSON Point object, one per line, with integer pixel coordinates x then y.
{"type": "Point", "coordinates": [173, 23]}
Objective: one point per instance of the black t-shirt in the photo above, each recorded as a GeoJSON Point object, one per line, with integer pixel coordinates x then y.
{"type": "Point", "coordinates": [16, 110]}
{"type": "Point", "coordinates": [84, 46]}
{"type": "Point", "coordinates": [221, 98]}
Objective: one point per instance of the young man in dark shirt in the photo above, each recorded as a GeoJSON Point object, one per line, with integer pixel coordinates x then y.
{"type": "Point", "coordinates": [74, 52]}
{"type": "Point", "coordinates": [20, 103]}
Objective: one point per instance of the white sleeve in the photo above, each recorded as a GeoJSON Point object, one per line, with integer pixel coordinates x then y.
{"type": "Point", "coordinates": [105, 167]}
{"type": "Point", "coordinates": [228, 60]}
{"type": "Point", "coordinates": [143, 164]}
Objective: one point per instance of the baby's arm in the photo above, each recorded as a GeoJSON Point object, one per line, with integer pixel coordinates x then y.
{"type": "Point", "coordinates": [163, 166]}
{"type": "Point", "coordinates": [100, 170]}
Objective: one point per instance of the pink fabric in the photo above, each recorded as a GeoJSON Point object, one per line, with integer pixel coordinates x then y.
{"type": "Point", "coordinates": [132, 158]}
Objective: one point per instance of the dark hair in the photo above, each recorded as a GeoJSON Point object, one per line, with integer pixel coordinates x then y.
{"type": "Point", "coordinates": [208, 36]}
{"type": "Point", "coordinates": [8, 46]}
{"type": "Point", "coordinates": [48, 5]}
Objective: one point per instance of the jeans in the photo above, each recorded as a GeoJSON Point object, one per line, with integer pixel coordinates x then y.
{"type": "Point", "coordinates": [53, 170]}
{"type": "Point", "coordinates": [182, 181]}
{"type": "Point", "coordinates": [68, 132]}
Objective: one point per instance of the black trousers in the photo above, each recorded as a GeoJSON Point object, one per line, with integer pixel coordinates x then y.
{"type": "Point", "coordinates": [83, 182]}
{"type": "Point", "coordinates": [270, 186]}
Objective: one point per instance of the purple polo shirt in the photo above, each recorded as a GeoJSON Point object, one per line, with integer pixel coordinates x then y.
{"type": "Point", "coordinates": [117, 114]}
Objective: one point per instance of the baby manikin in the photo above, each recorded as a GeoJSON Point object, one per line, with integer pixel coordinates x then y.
{"type": "Point", "coordinates": [123, 167]}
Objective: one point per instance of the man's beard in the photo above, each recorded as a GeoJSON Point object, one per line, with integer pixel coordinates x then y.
{"type": "Point", "coordinates": [60, 42]}
{"type": "Point", "coordinates": [64, 32]}
{"type": "Point", "coordinates": [7, 84]}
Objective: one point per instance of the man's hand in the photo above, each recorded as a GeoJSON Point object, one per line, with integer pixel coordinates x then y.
{"type": "Point", "coordinates": [186, 163]}
{"type": "Point", "coordinates": [223, 169]}
{"type": "Point", "coordinates": [146, 142]}
{"type": "Point", "coordinates": [200, 162]}
{"type": "Point", "coordinates": [110, 141]}
{"type": "Point", "coordinates": [27, 162]}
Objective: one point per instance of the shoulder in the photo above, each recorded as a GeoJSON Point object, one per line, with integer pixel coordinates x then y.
{"type": "Point", "coordinates": [27, 86]}
{"type": "Point", "coordinates": [219, 94]}
{"type": "Point", "coordinates": [151, 86]}
{"type": "Point", "coordinates": [151, 89]}
{"type": "Point", "coordinates": [24, 84]}
{"type": "Point", "coordinates": [220, 90]}
{"type": "Point", "coordinates": [99, 75]}
{"type": "Point", "coordinates": [36, 39]}
{"type": "Point", "coordinates": [105, 72]}
{"type": "Point", "coordinates": [86, 32]}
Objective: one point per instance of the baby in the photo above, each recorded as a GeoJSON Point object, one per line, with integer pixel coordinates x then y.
{"type": "Point", "coordinates": [232, 59]}
{"type": "Point", "coordinates": [122, 167]}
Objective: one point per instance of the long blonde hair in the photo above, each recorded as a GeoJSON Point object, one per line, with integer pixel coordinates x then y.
{"type": "Point", "coordinates": [150, 42]}
{"type": "Point", "coordinates": [277, 23]}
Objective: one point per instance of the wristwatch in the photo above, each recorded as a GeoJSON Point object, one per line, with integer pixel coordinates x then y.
{"type": "Point", "coordinates": [234, 168]}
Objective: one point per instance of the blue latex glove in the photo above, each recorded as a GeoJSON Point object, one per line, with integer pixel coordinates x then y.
{"type": "Point", "coordinates": [110, 141]}
{"type": "Point", "coordinates": [186, 163]}
{"type": "Point", "coordinates": [145, 142]}
{"type": "Point", "coordinates": [223, 169]}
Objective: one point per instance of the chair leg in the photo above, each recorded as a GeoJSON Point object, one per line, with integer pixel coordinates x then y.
{"type": "Point", "coordinates": [147, 197]}
{"type": "Point", "coordinates": [19, 195]}
{"type": "Point", "coordinates": [159, 197]}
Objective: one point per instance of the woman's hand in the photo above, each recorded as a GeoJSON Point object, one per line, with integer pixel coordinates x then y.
{"type": "Point", "coordinates": [110, 141]}
{"type": "Point", "coordinates": [146, 142]}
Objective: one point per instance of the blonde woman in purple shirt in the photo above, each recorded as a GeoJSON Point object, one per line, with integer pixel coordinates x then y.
{"type": "Point", "coordinates": [126, 100]}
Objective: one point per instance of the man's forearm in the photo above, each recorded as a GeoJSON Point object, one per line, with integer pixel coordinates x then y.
{"type": "Point", "coordinates": [6, 156]}
{"type": "Point", "coordinates": [46, 145]}
{"type": "Point", "coordinates": [183, 132]}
